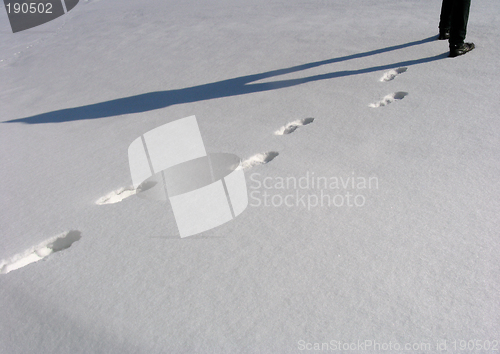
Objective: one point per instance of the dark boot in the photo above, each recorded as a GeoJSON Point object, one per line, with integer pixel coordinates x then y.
{"type": "Point", "coordinates": [460, 49]}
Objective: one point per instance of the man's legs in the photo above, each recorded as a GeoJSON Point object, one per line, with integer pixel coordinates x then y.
{"type": "Point", "coordinates": [453, 25]}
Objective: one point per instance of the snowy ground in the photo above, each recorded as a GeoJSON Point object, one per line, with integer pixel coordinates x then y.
{"type": "Point", "coordinates": [418, 262]}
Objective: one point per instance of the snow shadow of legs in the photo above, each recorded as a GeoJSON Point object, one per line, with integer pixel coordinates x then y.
{"type": "Point", "coordinates": [225, 88]}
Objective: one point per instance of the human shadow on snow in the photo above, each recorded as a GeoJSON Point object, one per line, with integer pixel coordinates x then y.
{"type": "Point", "coordinates": [225, 88]}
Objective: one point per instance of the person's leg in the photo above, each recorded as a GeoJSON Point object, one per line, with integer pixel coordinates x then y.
{"type": "Point", "coordinates": [445, 18]}
{"type": "Point", "coordinates": [459, 19]}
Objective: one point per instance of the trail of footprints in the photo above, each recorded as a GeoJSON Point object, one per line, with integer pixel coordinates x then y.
{"type": "Point", "coordinates": [65, 240]}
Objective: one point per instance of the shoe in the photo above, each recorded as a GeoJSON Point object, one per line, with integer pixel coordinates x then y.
{"type": "Point", "coordinates": [444, 34]}
{"type": "Point", "coordinates": [460, 49]}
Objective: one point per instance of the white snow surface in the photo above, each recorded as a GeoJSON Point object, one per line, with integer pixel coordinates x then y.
{"type": "Point", "coordinates": [411, 257]}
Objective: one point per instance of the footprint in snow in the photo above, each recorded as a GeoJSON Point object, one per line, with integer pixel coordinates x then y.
{"type": "Point", "coordinates": [116, 196]}
{"type": "Point", "coordinates": [389, 99]}
{"type": "Point", "coordinates": [290, 127]}
{"type": "Point", "coordinates": [259, 159]}
{"type": "Point", "coordinates": [391, 74]}
{"type": "Point", "coordinates": [40, 251]}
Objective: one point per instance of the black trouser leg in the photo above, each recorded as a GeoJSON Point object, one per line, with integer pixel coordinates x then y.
{"type": "Point", "coordinates": [445, 19]}
{"type": "Point", "coordinates": [459, 19]}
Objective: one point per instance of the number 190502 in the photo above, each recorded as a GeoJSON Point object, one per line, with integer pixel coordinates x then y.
{"type": "Point", "coordinates": [31, 8]}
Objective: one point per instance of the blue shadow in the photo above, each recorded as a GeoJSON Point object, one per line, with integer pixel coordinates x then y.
{"type": "Point", "coordinates": [225, 88]}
